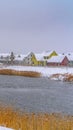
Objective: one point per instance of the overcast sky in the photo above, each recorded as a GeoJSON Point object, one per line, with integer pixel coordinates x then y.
{"type": "Point", "coordinates": [36, 25]}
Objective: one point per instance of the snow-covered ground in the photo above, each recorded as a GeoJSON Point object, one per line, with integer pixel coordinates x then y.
{"type": "Point", "coordinates": [45, 71]}
{"type": "Point", "coordinates": [4, 128]}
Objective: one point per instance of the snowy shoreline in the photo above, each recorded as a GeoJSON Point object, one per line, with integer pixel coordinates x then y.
{"type": "Point", "coordinates": [4, 128]}
{"type": "Point", "coordinates": [53, 73]}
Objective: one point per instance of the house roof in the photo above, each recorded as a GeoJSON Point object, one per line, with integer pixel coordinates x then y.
{"type": "Point", "coordinates": [19, 57]}
{"type": "Point", "coordinates": [4, 54]}
{"type": "Point", "coordinates": [56, 59]}
{"type": "Point", "coordinates": [39, 57]}
{"type": "Point", "coordinates": [69, 56]}
{"type": "Point", "coordinates": [47, 53]}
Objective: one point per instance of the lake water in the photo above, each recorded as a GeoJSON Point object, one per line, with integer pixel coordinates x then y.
{"type": "Point", "coordinates": [36, 94]}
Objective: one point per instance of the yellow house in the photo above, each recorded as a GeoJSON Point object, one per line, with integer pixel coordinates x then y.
{"type": "Point", "coordinates": [49, 54]}
{"type": "Point", "coordinates": [37, 60]}
{"type": "Point", "coordinates": [34, 60]}
{"type": "Point", "coordinates": [41, 59]}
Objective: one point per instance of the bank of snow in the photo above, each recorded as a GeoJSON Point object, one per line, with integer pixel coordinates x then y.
{"type": "Point", "coordinates": [4, 128]}
{"type": "Point", "coordinates": [45, 71]}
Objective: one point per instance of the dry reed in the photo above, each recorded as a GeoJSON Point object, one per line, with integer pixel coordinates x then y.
{"type": "Point", "coordinates": [65, 77]}
{"type": "Point", "coordinates": [23, 121]}
{"type": "Point", "coordinates": [19, 73]}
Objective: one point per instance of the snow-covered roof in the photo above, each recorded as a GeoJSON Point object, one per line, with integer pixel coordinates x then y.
{"type": "Point", "coordinates": [39, 57]}
{"type": "Point", "coordinates": [4, 54]}
{"type": "Point", "coordinates": [47, 53]}
{"type": "Point", "coordinates": [19, 57]}
{"type": "Point", "coordinates": [56, 59]}
{"type": "Point", "coordinates": [29, 53]}
{"type": "Point", "coordinates": [69, 56]}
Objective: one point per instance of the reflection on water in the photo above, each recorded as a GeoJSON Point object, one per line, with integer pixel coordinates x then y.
{"type": "Point", "coordinates": [36, 94]}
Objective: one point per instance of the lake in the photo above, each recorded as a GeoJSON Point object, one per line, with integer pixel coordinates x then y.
{"type": "Point", "coordinates": [36, 94]}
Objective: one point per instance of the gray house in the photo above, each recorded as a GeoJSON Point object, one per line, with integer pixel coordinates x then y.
{"type": "Point", "coordinates": [19, 59]}
{"type": "Point", "coordinates": [28, 59]}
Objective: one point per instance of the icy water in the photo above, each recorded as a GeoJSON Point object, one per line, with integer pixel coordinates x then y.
{"type": "Point", "coordinates": [36, 94]}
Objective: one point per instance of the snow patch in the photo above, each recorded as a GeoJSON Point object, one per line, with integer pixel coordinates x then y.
{"type": "Point", "coordinates": [4, 128]}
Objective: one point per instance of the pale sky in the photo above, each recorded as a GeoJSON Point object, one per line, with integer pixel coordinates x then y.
{"type": "Point", "coordinates": [36, 25]}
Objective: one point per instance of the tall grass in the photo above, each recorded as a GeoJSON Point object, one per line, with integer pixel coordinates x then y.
{"type": "Point", "coordinates": [23, 121]}
{"type": "Point", "coordinates": [19, 73]}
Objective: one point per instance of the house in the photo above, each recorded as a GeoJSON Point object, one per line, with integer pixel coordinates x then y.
{"type": "Point", "coordinates": [49, 54]}
{"type": "Point", "coordinates": [5, 58]}
{"type": "Point", "coordinates": [60, 60]}
{"type": "Point", "coordinates": [19, 59]}
{"type": "Point", "coordinates": [30, 59]}
{"type": "Point", "coordinates": [34, 60]}
{"type": "Point", "coordinates": [40, 60]}
{"type": "Point", "coordinates": [27, 60]}
{"type": "Point", "coordinates": [70, 57]}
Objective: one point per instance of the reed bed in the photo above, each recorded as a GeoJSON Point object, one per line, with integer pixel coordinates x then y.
{"type": "Point", "coordinates": [64, 77]}
{"type": "Point", "coordinates": [69, 78]}
{"type": "Point", "coordinates": [43, 121]}
{"type": "Point", "coordinates": [19, 73]}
